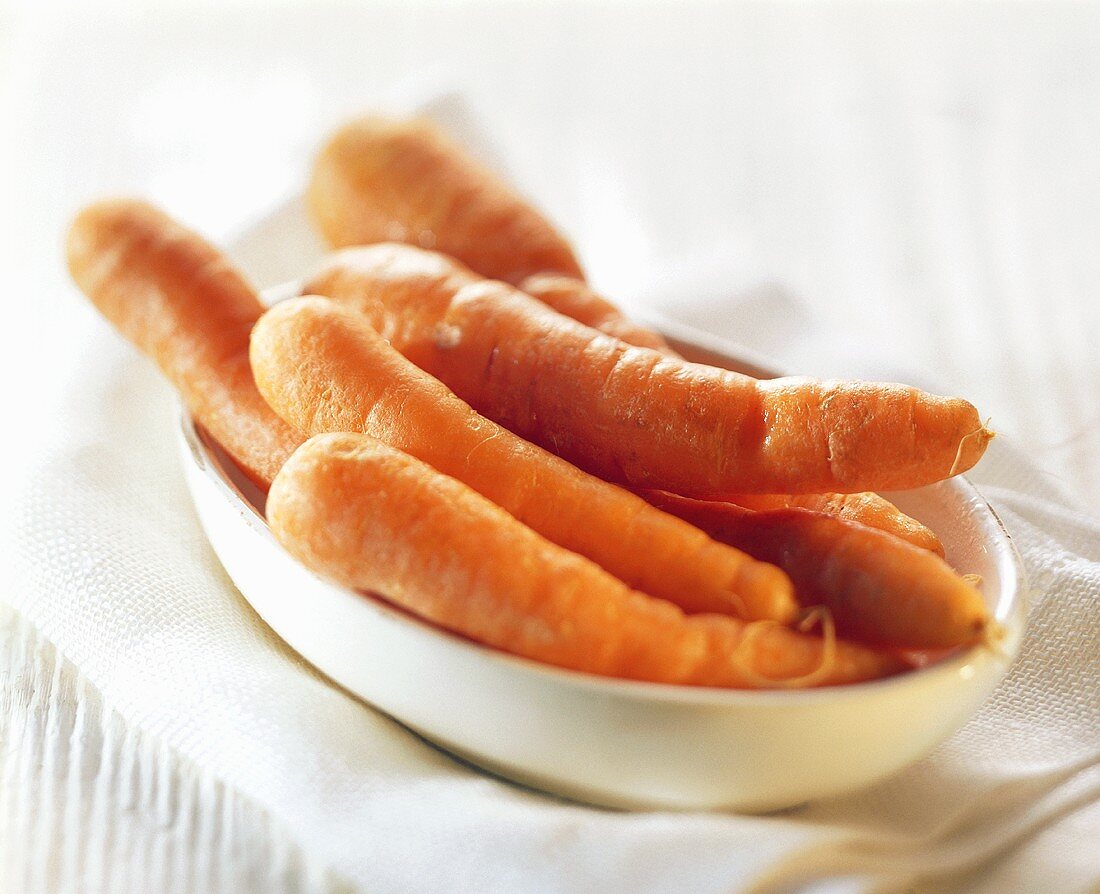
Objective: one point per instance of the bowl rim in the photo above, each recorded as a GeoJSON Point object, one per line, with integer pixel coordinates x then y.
{"type": "Point", "coordinates": [1009, 609]}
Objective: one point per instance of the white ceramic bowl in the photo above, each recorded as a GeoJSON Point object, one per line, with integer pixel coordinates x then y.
{"type": "Point", "coordinates": [610, 742]}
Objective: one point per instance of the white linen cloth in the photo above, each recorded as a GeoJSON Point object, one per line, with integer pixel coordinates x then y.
{"type": "Point", "coordinates": [114, 570]}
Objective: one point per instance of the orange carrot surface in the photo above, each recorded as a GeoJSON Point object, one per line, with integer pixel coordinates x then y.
{"type": "Point", "coordinates": [576, 300]}
{"type": "Point", "coordinates": [325, 369]}
{"type": "Point", "coordinates": [865, 508]}
{"type": "Point", "coordinates": [370, 517]}
{"type": "Point", "coordinates": [573, 298]}
{"type": "Point", "coordinates": [179, 300]}
{"type": "Point", "coordinates": [636, 416]}
{"type": "Point", "coordinates": [880, 589]}
{"type": "Point", "coordinates": [380, 179]}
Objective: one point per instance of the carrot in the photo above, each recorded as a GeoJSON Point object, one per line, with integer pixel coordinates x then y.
{"type": "Point", "coordinates": [325, 369]}
{"type": "Point", "coordinates": [879, 589]}
{"type": "Point", "coordinates": [865, 508]}
{"type": "Point", "coordinates": [179, 300]}
{"type": "Point", "coordinates": [379, 179]}
{"type": "Point", "coordinates": [370, 517]}
{"type": "Point", "coordinates": [576, 300]}
{"type": "Point", "coordinates": [635, 416]}
{"type": "Point", "coordinates": [343, 199]}
{"type": "Point", "coordinates": [385, 180]}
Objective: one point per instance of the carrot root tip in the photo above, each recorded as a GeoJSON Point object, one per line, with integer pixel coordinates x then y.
{"type": "Point", "coordinates": [982, 432]}
{"type": "Point", "coordinates": [817, 675]}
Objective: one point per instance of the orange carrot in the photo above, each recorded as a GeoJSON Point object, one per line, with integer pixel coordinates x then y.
{"type": "Point", "coordinates": [404, 181]}
{"type": "Point", "coordinates": [575, 299]}
{"type": "Point", "coordinates": [389, 150]}
{"type": "Point", "coordinates": [179, 300]}
{"type": "Point", "coordinates": [373, 518]}
{"type": "Point", "coordinates": [633, 415]}
{"type": "Point", "coordinates": [880, 589]}
{"type": "Point", "coordinates": [385, 180]}
{"type": "Point", "coordinates": [324, 369]}
{"type": "Point", "coordinates": [865, 508]}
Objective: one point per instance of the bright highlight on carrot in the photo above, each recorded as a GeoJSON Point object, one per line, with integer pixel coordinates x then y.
{"type": "Point", "coordinates": [180, 301]}
{"type": "Point", "coordinates": [636, 416]}
{"type": "Point", "coordinates": [325, 369]}
{"type": "Point", "coordinates": [370, 517]}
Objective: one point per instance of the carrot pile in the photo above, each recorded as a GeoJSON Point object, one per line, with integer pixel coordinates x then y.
{"type": "Point", "coordinates": [452, 418]}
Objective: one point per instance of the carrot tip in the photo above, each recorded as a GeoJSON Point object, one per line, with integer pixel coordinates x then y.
{"type": "Point", "coordinates": [810, 616]}
{"type": "Point", "coordinates": [984, 435]}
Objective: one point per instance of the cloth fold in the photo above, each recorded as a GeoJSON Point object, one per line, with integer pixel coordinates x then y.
{"type": "Point", "coordinates": [112, 567]}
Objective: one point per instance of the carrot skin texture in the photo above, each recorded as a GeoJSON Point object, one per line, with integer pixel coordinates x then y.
{"type": "Point", "coordinates": [573, 298]}
{"type": "Point", "coordinates": [880, 589]}
{"type": "Point", "coordinates": [373, 518]}
{"type": "Point", "coordinates": [324, 368]}
{"type": "Point", "coordinates": [635, 416]}
{"type": "Point", "coordinates": [179, 301]}
{"type": "Point", "coordinates": [865, 508]}
{"type": "Point", "coordinates": [392, 180]}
